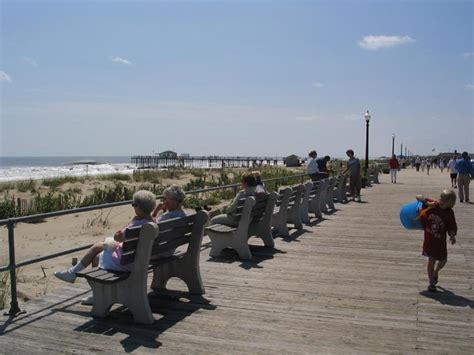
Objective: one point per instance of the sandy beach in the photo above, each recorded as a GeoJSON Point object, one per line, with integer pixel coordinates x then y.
{"type": "Point", "coordinates": [66, 232]}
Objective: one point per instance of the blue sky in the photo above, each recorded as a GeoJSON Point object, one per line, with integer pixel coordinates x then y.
{"type": "Point", "coordinates": [235, 77]}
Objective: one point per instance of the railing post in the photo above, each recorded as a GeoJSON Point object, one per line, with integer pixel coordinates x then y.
{"type": "Point", "coordinates": [14, 309]}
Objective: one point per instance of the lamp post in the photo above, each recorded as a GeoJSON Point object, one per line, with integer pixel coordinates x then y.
{"type": "Point", "coordinates": [393, 144]}
{"type": "Point", "coordinates": [367, 120]}
{"type": "Point", "coordinates": [401, 151]}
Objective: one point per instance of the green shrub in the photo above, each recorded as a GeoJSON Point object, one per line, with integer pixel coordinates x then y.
{"type": "Point", "coordinates": [24, 186]}
{"type": "Point", "coordinates": [116, 177]}
{"type": "Point", "coordinates": [5, 186]}
{"type": "Point", "coordinates": [152, 176]}
{"type": "Point", "coordinates": [56, 182]}
{"type": "Point", "coordinates": [4, 277]}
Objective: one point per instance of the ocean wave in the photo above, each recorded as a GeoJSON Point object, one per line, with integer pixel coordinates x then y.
{"type": "Point", "coordinates": [45, 172]}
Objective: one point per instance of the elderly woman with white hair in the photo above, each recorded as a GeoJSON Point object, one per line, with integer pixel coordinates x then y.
{"type": "Point", "coordinates": [107, 254]}
{"type": "Point", "coordinates": [172, 205]}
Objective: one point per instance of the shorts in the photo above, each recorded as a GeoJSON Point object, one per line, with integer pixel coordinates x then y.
{"type": "Point", "coordinates": [107, 262]}
{"type": "Point", "coordinates": [424, 253]}
{"type": "Point", "coordinates": [453, 176]}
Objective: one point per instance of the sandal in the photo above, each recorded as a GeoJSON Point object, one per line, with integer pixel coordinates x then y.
{"type": "Point", "coordinates": [432, 288]}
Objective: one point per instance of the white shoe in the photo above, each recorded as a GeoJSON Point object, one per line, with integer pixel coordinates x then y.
{"type": "Point", "coordinates": [65, 276]}
{"type": "Point", "coordinates": [88, 301]}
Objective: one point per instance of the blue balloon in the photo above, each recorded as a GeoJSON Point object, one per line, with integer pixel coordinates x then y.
{"type": "Point", "coordinates": [409, 214]}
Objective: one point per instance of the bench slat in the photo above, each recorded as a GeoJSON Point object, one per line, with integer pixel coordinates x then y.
{"type": "Point", "coordinates": [171, 245]}
{"type": "Point", "coordinates": [176, 222]}
{"type": "Point", "coordinates": [103, 276]}
{"type": "Point", "coordinates": [173, 233]}
{"type": "Point", "coordinates": [221, 228]}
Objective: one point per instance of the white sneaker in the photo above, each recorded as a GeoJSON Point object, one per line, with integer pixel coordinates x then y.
{"type": "Point", "coordinates": [65, 276]}
{"type": "Point", "coordinates": [88, 301]}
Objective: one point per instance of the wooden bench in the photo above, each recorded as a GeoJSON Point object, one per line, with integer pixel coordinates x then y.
{"type": "Point", "coordinates": [323, 195]}
{"type": "Point", "coordinates": [374, 175]}
{"type": "Point", "coordinates": [287, 210]}
{"type": "Point", "coordinates": [311, 199]}
{"type": "Point", "coordinates": [304, 208]}
{"type": "Point", "coordinates": [254, 219]}
{"type": "Point", "coordinates": [330, 193]}
{"type": "Point", "coordinates": [341, 188]}
{"type": "Point", "coordinates": [145, 247]}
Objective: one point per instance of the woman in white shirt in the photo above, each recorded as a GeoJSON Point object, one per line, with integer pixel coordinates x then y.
{"type": "Point", "coordinates": [312, 165]}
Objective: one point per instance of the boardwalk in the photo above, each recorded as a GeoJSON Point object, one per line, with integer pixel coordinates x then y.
{"type": "Point", "coordinates": [354, 282]}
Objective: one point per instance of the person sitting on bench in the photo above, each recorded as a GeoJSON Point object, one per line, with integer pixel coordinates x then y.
{"type": "Point", "coordinates": [248, 189]}
{"type": "Point", "coordinates": [107, 254]}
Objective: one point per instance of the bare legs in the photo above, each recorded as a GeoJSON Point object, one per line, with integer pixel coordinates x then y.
{"type": "Point", "coordinates": [92, 255]}
{"type": "Point", "coordinates": [433, 269]}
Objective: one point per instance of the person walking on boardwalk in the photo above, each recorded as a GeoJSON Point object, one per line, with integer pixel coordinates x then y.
{"type": "Point", "coordinates": [441, 165]}
{"type": "Point", "coordinates": [417, 163]}
{"type": "Point", "coordinates": [438, 220]}
{"type": "Point", "coordinates": [394, 167]}
{"type": "Point", "coordinates": [423, 164]}
{"type": "Point", "coordinates": [464, 168]}
{"type": "Point", "coordinates": [353, 166]}
{"type": "Point", "coordinates": [453, 172]}
{"type": "Point", "coordinates": [312, 165]}
{"type": "Point", "coordinates": [428, 166]}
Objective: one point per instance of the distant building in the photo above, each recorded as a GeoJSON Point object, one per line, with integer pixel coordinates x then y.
{"type": "Point", "coordinates": [292, 160]}
{"type": "Point", "coordinates": [185, 155]}
{"type": "Point", "coordinates": [168, 154]}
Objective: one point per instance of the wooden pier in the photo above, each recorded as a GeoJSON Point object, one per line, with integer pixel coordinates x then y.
{"type": "Point", "coordinates": [354, 282]}
{"type": "Point", "coordinates": [157, 161]}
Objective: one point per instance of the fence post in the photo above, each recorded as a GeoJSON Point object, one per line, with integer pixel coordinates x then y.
{"type": "Point", "coordinates": [14, 309]}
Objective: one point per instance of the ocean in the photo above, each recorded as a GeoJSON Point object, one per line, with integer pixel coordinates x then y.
{"type": "Point", "coordinates": [25, 168]}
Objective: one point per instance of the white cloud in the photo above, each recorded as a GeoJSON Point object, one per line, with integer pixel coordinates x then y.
{"type": "Point", "coordinates": [317, 85]}
{"type": "Point", "coordinates": [5, 77]}
{"type": "Point", "coordinates": [374, 43]}
{"type": "Point", "coordinates": [468, 54]}
{"type": "Point", "coordinates": [121, 61]}
{"type": "Point", "coordinates": [469, 86]}
{"type": "Point", "coordinates": [30, 61]}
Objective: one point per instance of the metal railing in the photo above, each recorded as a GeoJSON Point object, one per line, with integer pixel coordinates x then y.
{"type": "Point", "coordinates": [10, 223]}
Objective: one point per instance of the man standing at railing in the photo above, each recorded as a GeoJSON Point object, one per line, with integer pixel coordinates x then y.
{"type": "Point", "coordinates": [322, 166]}
{"type": "Point", "coordinates": [312, 165]}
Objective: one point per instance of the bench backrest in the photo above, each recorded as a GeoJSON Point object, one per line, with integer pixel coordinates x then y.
{"type": "Point", "coordinates": [172, 234]}
{"type": "Point", "coordinates": [315, 188]}
{"type": "Point", "coordinates": [257, 210]}
{"type": "Point", "coordinates": [296, 193]}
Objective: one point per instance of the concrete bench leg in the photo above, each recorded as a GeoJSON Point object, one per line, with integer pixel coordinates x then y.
{"type": "Point", "coordinates": [184, 269]}
{"type": "Point", "coordinates": [103, 298]}
{"type": "Point", "coordinates": [243, 250]}
{"type": "Point", "coordinates": [219, 243]}
{"type": "Point", "coordinates": [279, 224]}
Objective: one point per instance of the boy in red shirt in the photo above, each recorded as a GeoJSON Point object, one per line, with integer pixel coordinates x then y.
{"type": "Point", "coordinates": [438, 221]}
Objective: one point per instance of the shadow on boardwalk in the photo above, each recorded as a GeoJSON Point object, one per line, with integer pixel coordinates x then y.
{"type": "Point", "coordinates": [169, 308]}
{"type": "Point", "coordinates": [172, 306]}
{"type": "Point", "coordinates": [448, 298]}
{"type": "Point", "coordinates": [259, 253]}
